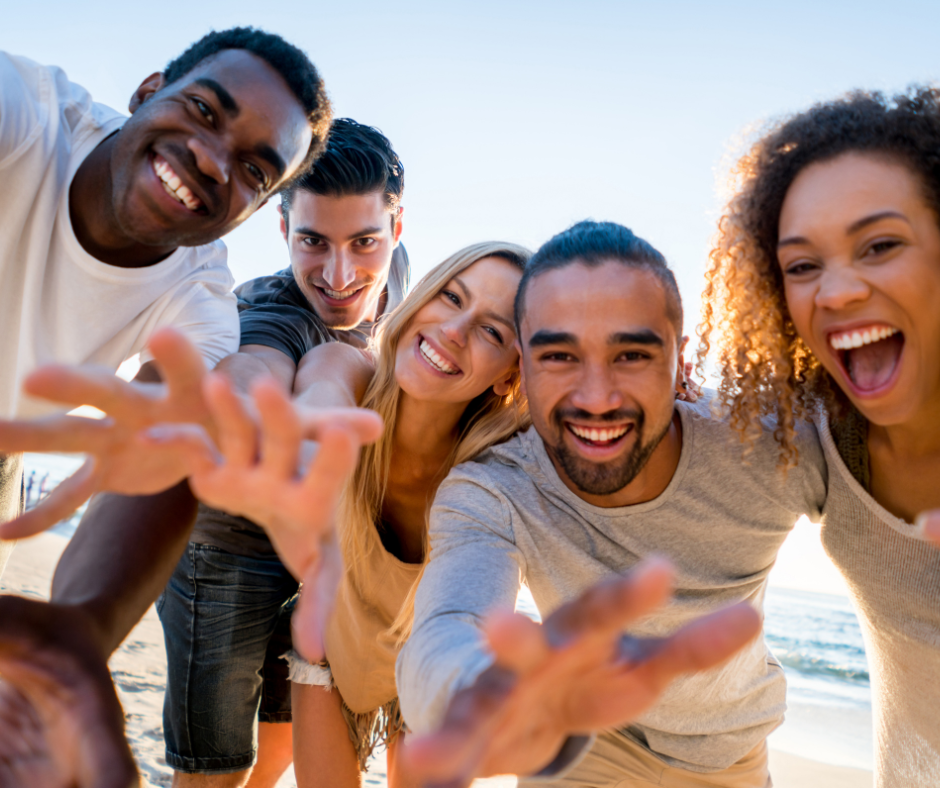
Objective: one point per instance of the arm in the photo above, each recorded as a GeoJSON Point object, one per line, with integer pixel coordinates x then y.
{"type": "Point", "coordinates": [333, 375]}
{"type": "Point", "coordinates": [252, 362]}
{"type": "Point", "coordinates": [474, 568]}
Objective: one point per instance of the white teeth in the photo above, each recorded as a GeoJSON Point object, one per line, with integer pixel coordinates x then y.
{"type": "Point", "coordinates": [435, 360]}
{"type": "Point", "coordinates": [850, 340]}
{"type": "Point", "coordinates": [175, 187]}
{"type": "Point", "coordinates": [599, 436]}
{"type": "Point", "coordinates": [339, 294]}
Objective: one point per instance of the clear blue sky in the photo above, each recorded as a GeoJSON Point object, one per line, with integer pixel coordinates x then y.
{"type": "Point", "coordinates": [515, 120]}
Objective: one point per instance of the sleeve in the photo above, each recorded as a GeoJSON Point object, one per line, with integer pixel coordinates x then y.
{"type": "Point", "coordinates": [284, 327]}
{"type": "Point", "coordinates": [811, 473]}
{"type": "Point", "coordinates": [474, 567]}
{"type": "Point", "coordinates": [22, 112]}
{"type": "Point", "coordinates": [209, 319]}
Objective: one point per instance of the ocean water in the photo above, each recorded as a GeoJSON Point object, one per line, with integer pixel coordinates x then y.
{"type": "Point", "coordinates": [816, 637]}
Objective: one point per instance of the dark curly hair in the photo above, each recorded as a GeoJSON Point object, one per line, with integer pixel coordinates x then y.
{"type": "Point", "coordinates": [290, 62]}
{"type": "Point", "coordinates": [358, 159]}
{"type": "Point", "coordinates": [765, 367]}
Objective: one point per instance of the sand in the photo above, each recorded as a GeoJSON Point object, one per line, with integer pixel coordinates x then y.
{"type": "Point", "coordinates": [139, 670]}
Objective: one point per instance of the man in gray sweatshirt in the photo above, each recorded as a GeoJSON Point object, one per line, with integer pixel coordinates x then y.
{"type": "Point", "coordinates": [613, 470]}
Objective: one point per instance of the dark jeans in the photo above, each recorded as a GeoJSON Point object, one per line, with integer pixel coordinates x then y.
{"type": "Point", "coordinates": [11, 497]}
{"type": "Point", "coordinates": [226, 622]}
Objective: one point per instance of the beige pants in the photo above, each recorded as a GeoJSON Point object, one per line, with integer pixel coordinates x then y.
{"type": "Point", "coordinates": [617, 761]}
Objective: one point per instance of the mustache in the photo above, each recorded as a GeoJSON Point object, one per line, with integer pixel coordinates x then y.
{"type": "Point", "coordinates": [620, 414]}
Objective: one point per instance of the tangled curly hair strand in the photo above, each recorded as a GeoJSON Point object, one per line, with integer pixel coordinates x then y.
{"type": "Point", "coordinates": [765, 367]}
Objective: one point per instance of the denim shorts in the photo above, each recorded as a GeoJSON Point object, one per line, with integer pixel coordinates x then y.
{"type": "Point", "coordinates": [226, 622]}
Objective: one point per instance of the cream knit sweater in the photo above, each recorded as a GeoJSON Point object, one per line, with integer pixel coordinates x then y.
{"type": "Point", "coordinates": [894, 579]}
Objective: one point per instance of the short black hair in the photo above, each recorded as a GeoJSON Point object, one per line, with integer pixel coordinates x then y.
{"type": "Point", "coordinates": [592, 244]}
{"type": "Point", "coordinates": [358, 159]}
{"type": "Point", "coordinates": [291, 63]}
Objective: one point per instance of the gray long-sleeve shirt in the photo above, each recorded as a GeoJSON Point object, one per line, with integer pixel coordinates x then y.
{"type": "Point", "coordinates": [506, 518]}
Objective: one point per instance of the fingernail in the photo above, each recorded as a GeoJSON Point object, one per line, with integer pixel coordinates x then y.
{"type": "Point", "coordinates": [158, 434]}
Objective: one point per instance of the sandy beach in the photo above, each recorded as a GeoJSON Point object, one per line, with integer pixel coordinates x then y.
{"type": "Point", "coordinates": [139, 670]}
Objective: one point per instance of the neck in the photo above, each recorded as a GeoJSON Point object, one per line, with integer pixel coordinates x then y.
{"type": "Point", "coordinates": [649, 483]}
{"type": "Point", "coordinates": [91, 211]}
{"type": "Point", "coordinates": [425, 429]}
{"type": "Point", "coordinates": [915, 439]}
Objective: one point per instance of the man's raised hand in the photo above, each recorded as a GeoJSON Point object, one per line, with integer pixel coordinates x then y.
{"type": "Point", "coordinates": [573, 675]}
{"type": "Point", "coordinates": [118, 460]}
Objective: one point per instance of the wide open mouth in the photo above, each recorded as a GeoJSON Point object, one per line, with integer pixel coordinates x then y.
{"type": "Point", "coordinates": [869, 356]}
{"type": "Point", "coordinates": [604, 437]}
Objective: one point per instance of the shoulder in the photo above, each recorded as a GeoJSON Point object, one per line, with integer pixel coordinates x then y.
{"type": "Point", "coordinates": [208, 265]}
{"type": "Point", "coordinates": [499, 468]}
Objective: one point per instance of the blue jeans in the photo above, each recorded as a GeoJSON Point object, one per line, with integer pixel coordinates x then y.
{"type": "Point", "coordinates": [226, 622]}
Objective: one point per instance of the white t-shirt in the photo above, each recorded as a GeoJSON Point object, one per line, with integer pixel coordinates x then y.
{"type": "Point", "coordinates": [57, 302]}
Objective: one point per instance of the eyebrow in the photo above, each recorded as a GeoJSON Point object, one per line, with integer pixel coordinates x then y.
{"type": "Point", "coordinates": [225, 98]}
{"type": "Point", "coordinates": [646, 337]}
{"type": "Point", "coordinates": [309, 231]}
{"type": "Point", "coordinates": [797, 240]}
{"type": "Point", "coordinates": [272, 157]}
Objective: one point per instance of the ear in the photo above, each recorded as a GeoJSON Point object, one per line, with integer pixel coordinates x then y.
{"type": "Point", "coordinates": [146, 89]}
{"type": "Point", "coordinates": [502, 387]}
{"type": "Point", "coordinates": [397, 227]}
{"type": "Point", "coordinates": [283, 222]}
{"type": "Point", "coordinates": [681, 377]}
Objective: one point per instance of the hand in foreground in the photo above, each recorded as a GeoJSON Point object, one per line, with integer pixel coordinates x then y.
{"type": "Point", "coordinates": [929, 525]}
{"type": "Point", "coordinates": [61, 725]}
{"type": "Point", "coordinates": [118, 461]}
{"type": "Point", "coordinates": [575, 674]}
{"type": "Point", "coordinates": [259, 476]}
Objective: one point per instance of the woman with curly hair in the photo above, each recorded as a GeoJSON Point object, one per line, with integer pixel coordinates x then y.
{"type": "Point", "coordinates": [823, 302]}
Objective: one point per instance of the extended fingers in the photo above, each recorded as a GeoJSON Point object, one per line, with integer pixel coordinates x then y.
{"type": "Point", "coordinates": [365, 424]}
{"type": "Point", "coordinates": [55, 433]}
{"type": "Point", "coordinates": [334, 461]}
{"type": "Point", "coordinates": [237, 430]}
{"type": "Point", "coordinates": [181, 365]}
{"type": "Point", "coordinates": [517, 642]}
{"type": "Point", "coordinates": [60, 503]}
{"type": "Point", "coordinates": [96, 386]}
{"type": "Point", "coordinates": [609, 607]}
{"type": "Point", "coordinates": [280, 428]}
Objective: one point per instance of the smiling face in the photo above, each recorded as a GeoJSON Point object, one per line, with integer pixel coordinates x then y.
{"type": "Point", "coordinates": [462, 341]}
{"type": "Point", "coordinates": [341, 251]}
{"type": "Point", "coordinates": [199, 156]}
{"type": "Point", "coordinates": [600, 369]}
{"type": "Point", "coordinates": [860, 255]}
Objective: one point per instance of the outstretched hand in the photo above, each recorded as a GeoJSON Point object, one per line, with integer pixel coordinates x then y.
{"type": "Point", "coordinates": [118, 461]}
{"type": "Point", "coordinates": [929, 524]}
{"type": "Point", "coordinates": [259, 474]}
{"type": "Point", "coordinates": [61, 725]}
{"type": "Point", "coordinates": [574, 674]}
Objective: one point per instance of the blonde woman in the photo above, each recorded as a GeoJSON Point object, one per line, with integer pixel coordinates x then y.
{"type": "Point", "coordinates": [443, 373]}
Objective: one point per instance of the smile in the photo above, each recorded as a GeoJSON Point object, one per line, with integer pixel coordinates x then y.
{"type": "Point", "coordinates": [869, 356]}
{"type": "Point", "coordinates": [435, 359]}
{"type": "Point", "coordinates": [594, 436]}
{"type": "Point", "coordinates": [174, 186]}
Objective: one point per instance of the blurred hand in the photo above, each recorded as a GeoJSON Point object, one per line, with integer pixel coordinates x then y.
{"type": "Point", "coordinates": [61, 725]}
{"type": "Point", "coordinates": [929, 524]}
{"type": "Point", "coordinates": [268, 471]}
{"type": "Point", "coordinates": [572, 675]}
{"type": "Point", "coordinates": [118, 462]}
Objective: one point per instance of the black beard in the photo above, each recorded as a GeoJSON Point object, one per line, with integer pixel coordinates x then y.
{"type": "Point", "coordinates": [603, 478]}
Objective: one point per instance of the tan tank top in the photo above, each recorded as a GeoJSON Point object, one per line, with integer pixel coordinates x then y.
{"type": "Point", "coordinates": [359, 646]}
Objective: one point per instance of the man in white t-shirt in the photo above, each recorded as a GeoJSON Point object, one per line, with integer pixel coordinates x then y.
{"type": "Point", "coordinates": [109, 226]}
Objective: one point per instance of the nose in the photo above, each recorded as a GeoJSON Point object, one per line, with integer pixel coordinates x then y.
{"type": "Point", "coordinates": [211, 160]}
{"type": "Point", "coordinates": [455, 331]}
{"type": "Point", "coordinates": [596, 390]}
{"type": "Point", "coordinates": [339, 271]}
{"type": "Point", "coordinates": [841, 287]}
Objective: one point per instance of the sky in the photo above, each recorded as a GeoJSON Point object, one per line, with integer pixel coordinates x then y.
{"type": "Point", "coordinates": [516, 119]}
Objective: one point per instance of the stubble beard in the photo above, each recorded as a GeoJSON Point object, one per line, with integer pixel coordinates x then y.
{"type": "Point", "coordinates": [605, 478]}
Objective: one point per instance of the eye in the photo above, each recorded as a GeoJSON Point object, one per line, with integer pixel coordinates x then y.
{"type": "Point", "coordinates": [451, 296]}
{"type": "Point", "coordinates": [257, 174]}
{"type": "Point", "coordinates": [558, 355]}
{"type": "Point", "coordinates": [634, 355]}
{"type": "Point", "coordinates": [365, 243]}
{"type": "Point", "coordinates": [494, 333]}
{"type": "Point", "coordinates": [799, 267]}
{"type": "Point", "coordinates": [880, 247]}
{"type": "Point", "coordinates": [310, 241]}
{"type": "Point", "coordinates": [204, 109]}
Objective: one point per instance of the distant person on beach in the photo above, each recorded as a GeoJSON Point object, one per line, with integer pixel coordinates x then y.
{"type": "Point", "coordinates": [227, 608]}
{"type": "Point", "coordinates": [111, 224]}
{"type": "Point", "coordinates": [823, 304]}
{"type": "Point", "coordinates": [614, 469]}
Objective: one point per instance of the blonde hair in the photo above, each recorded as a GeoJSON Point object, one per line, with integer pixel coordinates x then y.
{"type": "Point", "coordinates": [488, 419]}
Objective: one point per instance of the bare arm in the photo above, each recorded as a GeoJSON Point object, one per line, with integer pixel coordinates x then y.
{"type": "Point", "coordinates": [333, 375]}
{"type": "Point", "coordinates": [254, 361]}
